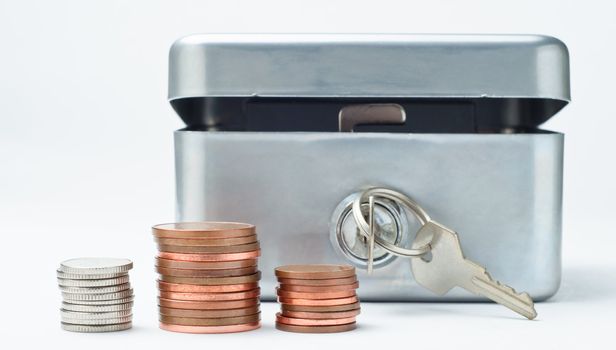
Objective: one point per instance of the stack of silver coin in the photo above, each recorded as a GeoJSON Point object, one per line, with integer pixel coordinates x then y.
{"type": "Point", "coordinates": [97, 295]}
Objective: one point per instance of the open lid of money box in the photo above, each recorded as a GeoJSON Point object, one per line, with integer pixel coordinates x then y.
{"type": "Point", "coordinates": [300, 82]}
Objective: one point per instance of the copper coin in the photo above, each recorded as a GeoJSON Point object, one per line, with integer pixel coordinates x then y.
{"type": "Point", "coordinates": [318, 295]}
{"type": "Point", "coordinates": [213, 242]}
{"type": "Point", "coordinates": [318, 302]}
{"type": "Point", "coordinates": [213, 281]}
{"type": "Point", "coordinates": [318, 289]}
{"type": "Point", "coordinates": [210, 329]}
{"type": "Point", "coordinates": [316, 329]}
{"type": "Point", "coordinates": [190, 288]}
{"type": "Point", "coordinates": [205, 265]}
{"type": "Point", "coordinates": [255, 293]}
{"type": "Point", "coordinates": [209, 313]}
{"type": "Point", "coordinates": [208, 305]}
{"type": "Point", "coordinates": [331, 308]}
{"type": "Point", "coordinates": [313, 322]}
{"type": "Point", "coordinates": [315, 271]}
{"type": "Point", "coordinates": [209, 250]}
{"type": "Point", "coordinates": [203, 230]}
{"type": "Point", "coordinates": [323, 282]}
{"type": "Point", "coordinates": [225, 321]}
{"type": "Point", "coordinates": [210, 257]}
{"type": "Point", "coordinates": [207, 273]}
{"type": "Point", "coordinates": [321, 315]}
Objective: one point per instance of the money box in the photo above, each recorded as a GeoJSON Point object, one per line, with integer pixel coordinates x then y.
{"type": "Point", "coordinates": [284, 131]}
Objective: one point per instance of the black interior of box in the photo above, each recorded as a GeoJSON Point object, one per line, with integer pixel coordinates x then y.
{"type": "Point", "coordinates": [423, 115]}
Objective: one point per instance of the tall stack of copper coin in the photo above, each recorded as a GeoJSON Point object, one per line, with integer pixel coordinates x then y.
{"type": "Point", "coordinates": [209, 279]}
{"type": "Point", "coordinates": [317, 298]}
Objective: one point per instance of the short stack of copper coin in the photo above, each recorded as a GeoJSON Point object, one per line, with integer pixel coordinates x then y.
{"type": "Point", "coordinates": [209, 279]}
{"type": "Point", "coordinates": [317, 298]}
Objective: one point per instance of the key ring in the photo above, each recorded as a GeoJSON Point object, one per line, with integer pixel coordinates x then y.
{"type": "Point", "coordinates": [412, 206]}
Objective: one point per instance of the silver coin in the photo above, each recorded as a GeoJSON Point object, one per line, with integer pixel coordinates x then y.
{"type": "Point", "coordinates": [89, 266]}
{"type": "Point", "coordinates": [94, 315]}
{"type": "Point", "coordinates": [96, 329]}
{"type": "Point", "coordinates": [97, 308]}
{"type": "Point", "coordinates": [96, 290]}
{"type": "Point", "coordinates": [97, 322]}
{"type": "Point", "coordinates": [100, 302]}
{"type": "Point", "coordinates": [97, 276]}
{"type": "Point", "coordinates": [96, 297]}
{"type": "Point", "coordinates": [92, 283]}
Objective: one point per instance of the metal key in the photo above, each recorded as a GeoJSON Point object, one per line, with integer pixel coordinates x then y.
{"type": "Point", "coordinates": [448, 268]}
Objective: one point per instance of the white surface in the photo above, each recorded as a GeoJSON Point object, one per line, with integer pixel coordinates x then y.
{"type": "Point", "coordinates": [87, 163]}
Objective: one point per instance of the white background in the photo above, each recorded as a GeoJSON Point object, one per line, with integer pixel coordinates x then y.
{"type": "Point", "coordinates": [87, 163]}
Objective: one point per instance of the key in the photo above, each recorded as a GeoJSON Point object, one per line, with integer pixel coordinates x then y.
{"type": "Point", "coordinates": [447, 268]}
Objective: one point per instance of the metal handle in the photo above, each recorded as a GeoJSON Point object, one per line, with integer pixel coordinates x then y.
{"type": "Point", "coordinates": [378, 113]}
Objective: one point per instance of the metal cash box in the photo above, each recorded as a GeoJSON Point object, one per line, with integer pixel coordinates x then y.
{"type": "Point", "coordinates": [284, 131]}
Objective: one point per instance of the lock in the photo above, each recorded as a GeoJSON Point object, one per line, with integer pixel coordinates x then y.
{"type": "Point", "coordinates": [391, 224]}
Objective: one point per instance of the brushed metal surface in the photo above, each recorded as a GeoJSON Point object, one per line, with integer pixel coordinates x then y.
{"type": "Point", "coordinates": [502, 193]}
{"type": "Point", "coordinates": [369, 65]}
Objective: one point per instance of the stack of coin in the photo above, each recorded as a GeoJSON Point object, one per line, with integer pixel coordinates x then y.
{"type": "Point", "coordinates": [97, 296]}
{"type": "Point", "coordinates": [209, 279]}
{"type": "Point", "coordinates": [317, 298]}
